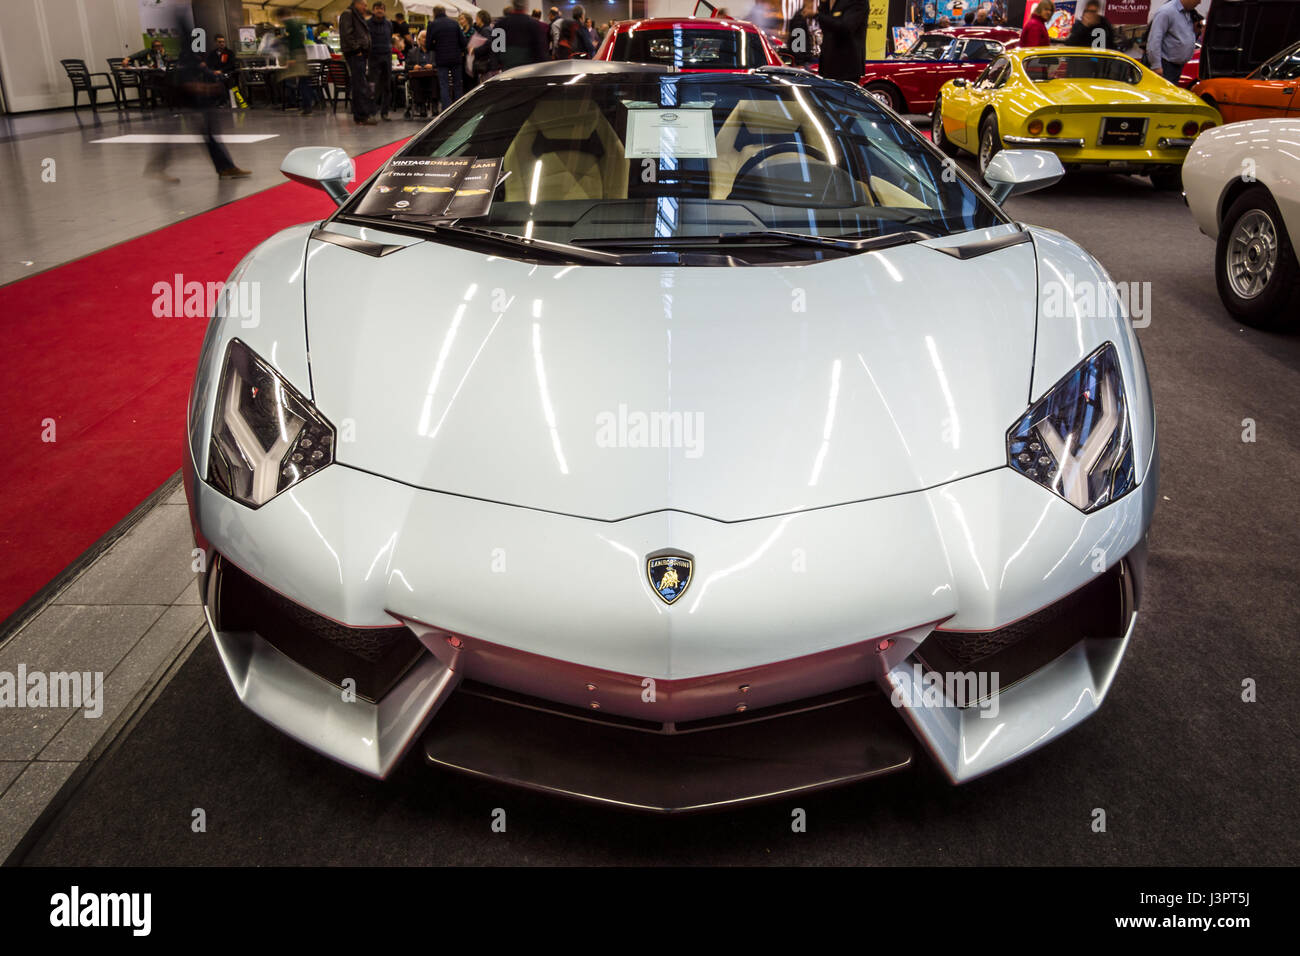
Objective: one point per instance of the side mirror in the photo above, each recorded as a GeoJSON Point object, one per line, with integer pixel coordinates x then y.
{"type": "Point", "coordinates": [1014, 172]}
{"type": "Point", "coordinates": [786, 57]}
{"type": "Point", "coordinates": [959, 81]}
{"type": "Point", "coordinates": [326, 167]}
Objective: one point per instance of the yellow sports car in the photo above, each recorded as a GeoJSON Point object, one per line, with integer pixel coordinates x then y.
{"type": "Point", "coordinates": [1093, 108]}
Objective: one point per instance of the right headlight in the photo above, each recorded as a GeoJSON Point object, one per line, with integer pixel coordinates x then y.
{"type": "Point", "coordinates": [1075, 440]}
{"type": "Point", "coordinates": [265, 435]}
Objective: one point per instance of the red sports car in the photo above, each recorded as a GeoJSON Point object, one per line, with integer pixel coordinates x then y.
{"type": "Point", "coordinates": [691, 44]}
{"type": "Point", "coordinates": [910, 81]}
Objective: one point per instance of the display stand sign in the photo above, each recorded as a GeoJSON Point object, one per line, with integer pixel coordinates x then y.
{"type": "Point", "coordinates": [680, 133]}
{"type": "Point", "coordinates": [434, 188]}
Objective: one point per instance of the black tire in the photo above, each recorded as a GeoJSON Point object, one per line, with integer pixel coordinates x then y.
{"type": "Point", "coordinates": [1167, 179]}
{"type": "Point", "coordinates": [887, 94]}
{"type": "Point", "coordinates": [1264, 296]}
{"type": "Point", "coordinates": [936, 130]}
{"type": "Point", "coordinates": [990, 141]}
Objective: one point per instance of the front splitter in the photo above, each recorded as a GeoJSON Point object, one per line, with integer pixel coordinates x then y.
{"type": "Point", "coordinates": [843, 738]}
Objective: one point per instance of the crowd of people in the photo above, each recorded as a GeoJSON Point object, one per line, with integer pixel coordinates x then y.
{"type": "Point", "coordinates": [1170, 43]}
{"type": "Point", "coordinates": [450, 56]}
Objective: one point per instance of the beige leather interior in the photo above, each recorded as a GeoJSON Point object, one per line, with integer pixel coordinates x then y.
{"type": "Point", "coordinates": [762, 116]}
{"type": "Point", "coordinates": [566, 173]}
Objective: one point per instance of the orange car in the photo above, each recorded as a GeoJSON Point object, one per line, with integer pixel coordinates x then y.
{"type": "Point", "coordinates": [1269, 92]}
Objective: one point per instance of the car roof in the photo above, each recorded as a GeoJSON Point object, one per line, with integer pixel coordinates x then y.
{"type": "Point", "coordinates": [983, 33]}
{"type": "Point", "coordinates": [576, 67]}
{"type": "Point", "coordinates": [695, 23]}
{"type": "Point", "coordinates": [1027, 51]}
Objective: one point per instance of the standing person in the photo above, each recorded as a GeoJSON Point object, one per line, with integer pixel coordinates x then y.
{"type": "Point", "coordinates": [572, 37]}
{"type": "Point", "coordinates": [844, 39]}
{"type": "Point", "coordinates": [296, 43]}
{"type": "Point", "coordinates": [1092, 29]}
{"type": "Point", "coordinates": [447, 45]}
{"type": "Point", "coordinates": [1171, 40]}
{"type": "Point", "coordinates": [804, 41]}
{"type": "Point", "coordinates": [525, 37]}
{"type": "Point", "coordinates": [1035, 31]}
{"type": "Point", "coordinates": [478, 56]}
{"type": "Point", "coordinates": [379, 64]}
{"type": "Point", "coordinates": [354, 39]}
{"type": "Point", "coordinates": [553, 19]}
{"type": "Point", "coordinates": [401, 28]}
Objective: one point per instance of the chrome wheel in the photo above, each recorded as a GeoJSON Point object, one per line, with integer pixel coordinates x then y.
{"type": "Point", "coordinates": [936, 125]}
{"type": "Point", "coordinates": [986, 146]}
{"type": "Point", "coordinates": [1252, 253]}
{"type": "Point", "coordinates": [882, 95]}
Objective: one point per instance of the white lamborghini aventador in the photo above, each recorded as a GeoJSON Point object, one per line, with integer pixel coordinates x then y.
{"type": "Point", "coordinates": [672, 440]}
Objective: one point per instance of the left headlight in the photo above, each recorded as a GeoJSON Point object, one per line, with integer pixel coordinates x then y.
{"type": "Point", "coordinates": [1075, 440]}
{"type": "Point", "coordinates": [266, 436]}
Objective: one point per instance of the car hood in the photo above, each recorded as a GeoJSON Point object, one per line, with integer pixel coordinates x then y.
{"type": "Point", "coordinates": [730, 393]}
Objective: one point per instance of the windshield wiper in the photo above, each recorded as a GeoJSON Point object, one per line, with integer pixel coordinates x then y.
{"type": "Point", "coordinates": [488, 236]}
{"type": "Point", "coordinates": [763, 237]}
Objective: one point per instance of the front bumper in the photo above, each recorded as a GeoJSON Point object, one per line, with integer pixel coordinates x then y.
{"type": "Point", "coordinates": [784, 611]}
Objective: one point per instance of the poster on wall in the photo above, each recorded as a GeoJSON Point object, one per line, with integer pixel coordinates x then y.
{"type": "Point", "coordinates": [1062, 20]}
{"type": "Point", "coordinates": [956, 11]}
{"type": "Point", "coordinates": [161, 20]}
{"type": "Point", "coordinates": [905, 36]}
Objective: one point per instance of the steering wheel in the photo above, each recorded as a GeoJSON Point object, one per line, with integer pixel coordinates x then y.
{"type": "Point", "coordinates": [777, 149]}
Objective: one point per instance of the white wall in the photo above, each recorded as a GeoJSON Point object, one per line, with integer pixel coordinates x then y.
{"type": "Point", "coordinates": [673, 8]}
{"type": "Point", "coordinates": [39, 33]}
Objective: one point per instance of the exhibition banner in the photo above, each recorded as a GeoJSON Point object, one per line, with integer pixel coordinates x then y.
{"type": "Point", "coordinates": [1121, 12]}
{"type": "Point", "coordinates": [877, 28]}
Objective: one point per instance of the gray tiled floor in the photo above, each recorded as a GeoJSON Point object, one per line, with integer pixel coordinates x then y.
{"type": "Point", "coordinates": [99, 196]}
{"type": "Point", "coordinates": [128, 617]}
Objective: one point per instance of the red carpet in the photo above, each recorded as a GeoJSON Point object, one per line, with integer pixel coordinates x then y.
{"type": "Point", "coordinates": [83, 348]}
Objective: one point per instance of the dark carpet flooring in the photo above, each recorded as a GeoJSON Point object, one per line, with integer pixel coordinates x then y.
{"type": "Point", "coordinates": [1186, 772]}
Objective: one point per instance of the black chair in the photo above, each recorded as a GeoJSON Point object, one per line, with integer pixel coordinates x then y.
{"type": "Point", "coordinates": [83, 81]}
{"type": "Point", "coordinates": [258, 79]}
{"type": "Point", "coordinates": [319, 79]}
{"type": "Point", "coordinates": [124, 80]}
{"type": "Point", "coordinates": [337, 72]}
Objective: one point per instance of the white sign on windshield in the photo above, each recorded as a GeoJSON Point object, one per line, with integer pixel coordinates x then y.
{"type": "Point", "coordinates": [678, 133]}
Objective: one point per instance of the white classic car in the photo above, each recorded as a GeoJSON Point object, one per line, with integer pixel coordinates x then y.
{"type": "Point", "coordinates": [728, 443]}
{"type": "Point", "coordinates": [1242, 183]}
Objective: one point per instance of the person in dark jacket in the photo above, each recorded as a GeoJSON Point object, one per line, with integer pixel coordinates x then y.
{"type": "Point", "coordinates": [844, 39]}
{"type": "Point", "coordinates": [446, 44]}
{"type": "Point", "coordinates": [804, 38]}
{"type": "Point", "coordinates": [379, 63]}
{"type": "Point", "coordinates": [579, 39]}
{"type": "Point", "coordinates": [400, 27]}
{"type": "Point", "coordinates": [222, 61]}
{"type": "Point", "coordinates": [525, 38]}
{"type": "Point", "coordinates": [354, 39]}
{"type": "Point", "coordinates": [1092, 29]}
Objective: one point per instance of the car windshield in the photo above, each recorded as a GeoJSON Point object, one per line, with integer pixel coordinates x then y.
{"type": "Point", "coordinates": [606, 158]}
{"type": "Point", "coordinates": [691, 49]}
{"type": "Point", "coordinates": [1081, 66]}
{"type": "Point", "coordinates": [930, 46]}
{"type": "Point", "coordinates": [1283, 66]}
